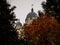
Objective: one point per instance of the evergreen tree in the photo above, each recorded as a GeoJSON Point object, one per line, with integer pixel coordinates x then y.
{"type": "Point", "coordinates": [8, 35]}
{"type": "Point", "coordinates": [52, 7]}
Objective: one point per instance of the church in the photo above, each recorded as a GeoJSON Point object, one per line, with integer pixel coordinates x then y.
{"type": "Point", "coordinates": [29, 18]}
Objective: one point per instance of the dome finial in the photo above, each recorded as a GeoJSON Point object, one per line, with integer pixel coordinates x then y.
{"type": "Point", "coordinates": [32, 5]}
{"type": "Point", "coordinates": [32, 8]}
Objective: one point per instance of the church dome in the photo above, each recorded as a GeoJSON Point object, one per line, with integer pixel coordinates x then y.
{"type": "Point", "coordinates": [18, 23]}
{"type": "Point", "coordinates": [31, 15]}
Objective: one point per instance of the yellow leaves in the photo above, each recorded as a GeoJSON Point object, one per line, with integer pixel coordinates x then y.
{"type": "Point", "coordinates": [41, 27]}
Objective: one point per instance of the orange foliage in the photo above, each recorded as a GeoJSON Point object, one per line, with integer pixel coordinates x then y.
{"type": "Point", "coordinates": [44, 28]}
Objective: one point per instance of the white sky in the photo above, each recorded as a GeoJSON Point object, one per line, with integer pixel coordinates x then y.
{"type": "Point", "coordinates": [23, 7]}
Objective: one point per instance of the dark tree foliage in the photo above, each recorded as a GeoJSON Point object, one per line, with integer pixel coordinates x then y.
{"type": "Point", "coordinates": [8, 35]}
{"type": "Point", "coordinates": [40, 13]}
{"type": "Point", "coordinates": [52, 7]}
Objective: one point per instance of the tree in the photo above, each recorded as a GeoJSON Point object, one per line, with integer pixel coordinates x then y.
{"type": "Point", "coordinates": [52, 7]}
{"type": "Point", "coordinates": [40, 13]}
{"type": "Point", "coordinates": [8, 35]}
{"type": "Point", "coordinates": [43, 31]}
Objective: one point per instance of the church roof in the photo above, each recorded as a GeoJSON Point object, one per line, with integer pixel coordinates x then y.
{"type": "Point", "coordinates": [31, 14]}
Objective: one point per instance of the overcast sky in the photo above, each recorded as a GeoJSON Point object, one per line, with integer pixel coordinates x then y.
{"type": "Point", "coordinates": [23, 7]}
